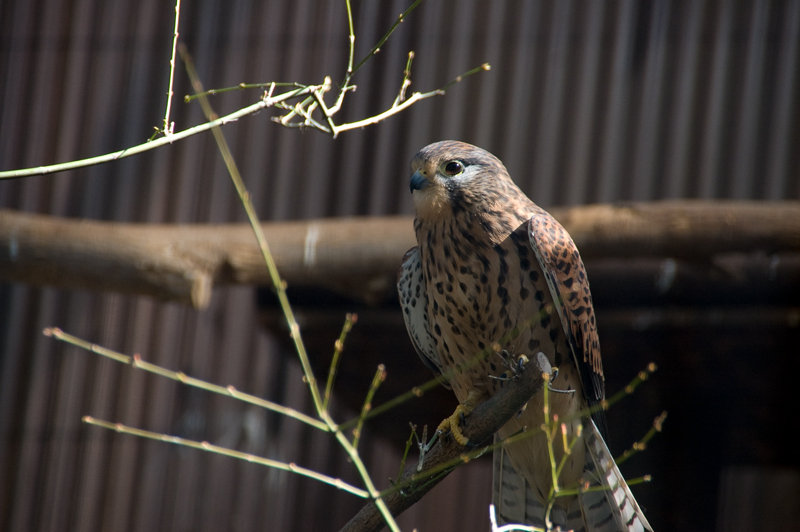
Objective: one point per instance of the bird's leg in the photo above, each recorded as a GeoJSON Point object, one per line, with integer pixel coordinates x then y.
{"type": "Point", "coordinates": [473, 398]}
{"type": "Point", "coordinates": [553, 375]}
{"type": "Point", "coordinates": [515, 367]}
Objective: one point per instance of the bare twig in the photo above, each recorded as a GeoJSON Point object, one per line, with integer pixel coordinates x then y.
{"type": "Point", "coordinates": [380, 375]}
{"type": "Point", "coordinates": [150, 145]}
{"type": "Point", "coordinates": [303, 109]}
{"type": "Point", "coordinates": [641, 445]}
{"type": "Point", "coordinates": [206, 446]}
{"type": "Point", "coordinates": [349, 321]}
{"type": "Point", "coordinates": [136, 361]}
{"type": "Point", "coordinates": [169, 127]}
{"type": "Point", "coordinates": [279, 287]}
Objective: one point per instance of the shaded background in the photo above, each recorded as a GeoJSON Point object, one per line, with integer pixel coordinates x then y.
{"type": "Point", "coordinates": [586, 102]}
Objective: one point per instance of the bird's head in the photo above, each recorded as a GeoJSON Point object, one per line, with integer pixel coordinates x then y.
{"type": "Point", "coordinates": [451, 176]}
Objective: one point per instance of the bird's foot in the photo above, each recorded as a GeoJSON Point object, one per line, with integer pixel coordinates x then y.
{"type": "Point", "coordinates": [514, 366]}
{"type": "Point", "coordinates": [453, 423]}
{"type": "Point", "coordinates": [553, 375]}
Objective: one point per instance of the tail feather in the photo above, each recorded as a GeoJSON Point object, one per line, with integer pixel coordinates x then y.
{"type": "Point", "coordinates": [612, 509]}
{"type": "Point", "coordinates": [515, 500]}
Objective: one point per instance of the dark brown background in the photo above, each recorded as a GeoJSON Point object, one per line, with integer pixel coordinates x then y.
{"type": "Point", "coordinates": [585, 102]}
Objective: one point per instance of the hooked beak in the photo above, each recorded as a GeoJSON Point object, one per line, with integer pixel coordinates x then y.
{"type": "Point", "coordinates": [418, 182]}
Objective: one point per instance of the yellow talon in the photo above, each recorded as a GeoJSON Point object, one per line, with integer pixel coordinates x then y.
{"type": "Point", "coordinates": [453, 422]}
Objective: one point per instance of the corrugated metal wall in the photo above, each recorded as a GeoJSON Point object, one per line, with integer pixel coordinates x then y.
{"type": "Point", "coordinates": [585, 102]}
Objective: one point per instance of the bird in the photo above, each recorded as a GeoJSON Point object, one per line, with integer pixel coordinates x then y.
{"type": "Point", "coordinates": [493, 281]}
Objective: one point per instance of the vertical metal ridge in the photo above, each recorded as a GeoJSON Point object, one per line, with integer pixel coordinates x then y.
{"type": "Point", "coordinates": [784, 110]}
{"type": "Point", "coordinates": [580, 169]}
{"type": "Point", "coordinates": [714, 121]}
{"type": "Point", "coordinates": [517, 138]}
{"type": "Point", "coordinates": [616, 115]}
{"type": "Point", "coordinates": [680, 142]}
{"type": "Point", "coordinates": [748, 132]}
{"type": "Point", "coordinates": [648, 144]}
{"type": "Point", "coordinates": [708, 109]}
{"type": "Point", "coordinates": [550, 136]}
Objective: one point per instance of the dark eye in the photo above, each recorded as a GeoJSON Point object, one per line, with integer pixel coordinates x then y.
{"type": "Point", "coordinates": [453, 168]}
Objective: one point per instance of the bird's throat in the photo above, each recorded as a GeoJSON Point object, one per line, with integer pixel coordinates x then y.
{"type": "Point", "coordinates": [432, 203]}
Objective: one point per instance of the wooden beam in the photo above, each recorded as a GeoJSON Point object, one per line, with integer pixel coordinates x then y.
{"type": "Point", "coordinates": [357, 257]}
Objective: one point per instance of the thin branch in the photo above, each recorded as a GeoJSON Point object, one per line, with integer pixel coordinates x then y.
{"type": "Point", "coordinates": [315, 91]}
{"type": "Point", "coordinates": [205, 446]}
{"type": "Point", "coordinates": [338, 347]}
{"type": "Point", "coordinates": [151, 145]}
{"type": "Point", "coordinates": [401, 95]}
{"type": "Point", "coordinates": [380, 375]}
{"type": "Point", "coordinates": [396, 108]}
{"type": "Point", "coordinates": [352, 38]}
{"type": "Point", "coordinates": [278, 284]}
{"type": "Point", "coordinates": [280, 288]}
{"type": "Point", "coordinates": [169, 127]}
{"type": "Point", "coordinates": [241, 86]}
{"type": "Point", "coordinates": [137, 362]}
{"type": "Point", "coordinates": [641, 445]}
{"type": "Point", "coordinates": [375, 49]}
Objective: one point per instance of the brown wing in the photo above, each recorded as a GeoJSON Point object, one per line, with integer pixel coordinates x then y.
{"type": "Point", "coordinates": [566, 277]}
{"type": "Point", "coordinates": [414, 302]}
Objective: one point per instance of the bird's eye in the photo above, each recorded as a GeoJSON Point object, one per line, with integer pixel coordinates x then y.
{"type": "Point", "coordinates": [453, 168]}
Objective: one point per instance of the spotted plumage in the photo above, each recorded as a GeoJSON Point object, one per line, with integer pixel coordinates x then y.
{"type": "Point", "coordinates": [494, 272]}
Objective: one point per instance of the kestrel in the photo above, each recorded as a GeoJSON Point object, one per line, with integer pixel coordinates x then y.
{"type": "Point", "coordinates": [494, 277]}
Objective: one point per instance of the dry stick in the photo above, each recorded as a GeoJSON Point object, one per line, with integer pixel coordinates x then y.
{"type": "Point", "coordinates": [380, 376]}
{"type": "Point", "coordinates": [168, 128]}
{"type": "Point", "coordinates": [280, 288]}
{"type": "Point", "coordinates": [641, 445]}
{"type": "Point", "coordinates": [240, 87]}
{"type": "Point", "coordinates": [278, 284]}
{"type": "Point", "coordinates": [150, 145]}
{"type": "Point", "coordinates": [481, 424]}
{"type": "Point", "coordinates": [137, 362]}
{"type": "Point", "coordinates": [377, 47]}
{"type": "Point", "coordinates": [349, 321]}
{"type": "Point", "coordinates": [210, 447]}
{"type": "Point", "coordinates": [267, 101]}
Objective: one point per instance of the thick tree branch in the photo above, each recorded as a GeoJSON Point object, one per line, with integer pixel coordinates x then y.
{"type": "Point", "coordinates": [357, 256]}
{"type": "Point", "coordinates": [481, 424]}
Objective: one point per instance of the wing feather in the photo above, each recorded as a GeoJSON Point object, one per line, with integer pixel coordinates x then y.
{"type": "Point", "coordinates": [414, 302]}
{"type": "Point", "coordinates": [566, 278]}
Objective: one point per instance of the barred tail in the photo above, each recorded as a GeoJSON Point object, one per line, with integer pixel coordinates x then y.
{"type": "Point", "coordinates": [612, 509]}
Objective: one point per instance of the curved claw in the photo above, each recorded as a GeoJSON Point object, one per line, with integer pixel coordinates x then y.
{"type": "Point", "coordinates": [453, 422]}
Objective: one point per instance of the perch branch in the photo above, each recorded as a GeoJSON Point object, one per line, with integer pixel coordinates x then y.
{"type": "Point", "coordinates": [483, 422]}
